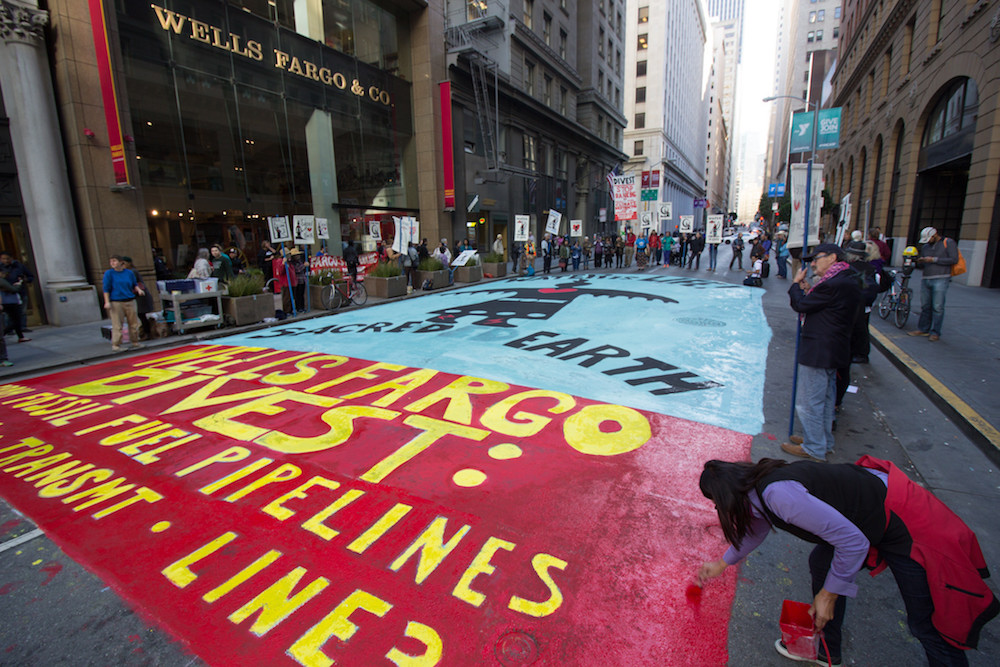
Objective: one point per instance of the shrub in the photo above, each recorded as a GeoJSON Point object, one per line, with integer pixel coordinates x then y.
{"type": "Point", "coordinates": [247, 284]}
{"type": "Point", "coordinates": [473, 261]}
{"type": "Point", "coordinates": [386, 270]}
{"type": "Point", "coordinates": [493, 258]}
{"type": "Point", "coordinates": [326, 277]}
{"type": "Point", "coordinates": [430, 264]}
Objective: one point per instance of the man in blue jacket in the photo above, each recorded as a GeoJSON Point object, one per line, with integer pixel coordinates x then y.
{"type": "Point", "coordinates": [120, 289]}
{"type": "Point", "coordinates": [828, 308]}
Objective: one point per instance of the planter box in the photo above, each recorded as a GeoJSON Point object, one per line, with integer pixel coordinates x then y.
{"type": "Point", "coordinates": [438, 279]}
{"type": "Point", "coordinates": [468, 274]}
{"type": "Point", "coordinates": [496, 270]}
{"type": "Point", "coordinates": [316, 297]}
{"type": "Point", "coordinates": [243, 310]}
{"type": "Point", "coordinates": [386, 288]}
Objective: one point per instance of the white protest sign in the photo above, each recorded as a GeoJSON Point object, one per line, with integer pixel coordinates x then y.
{"type": "Point", "coordinates": [397, 236]}
{"type": "Point", "coordinates": [625, 197]}
{"type": "Point", "coordinates": [666, 210]}
{"type": "Point", "coordinates": [713, 229]}
{"type": "Point", "coordinates": [576, 227]}
{"type": "Point", "coordinates": [796, 225]}
{"type": "Point", "coordinates": [687, 224]}
{"type": "Point", "coordinates": [414, 231]}
{"type": "Point", "coordinates": [521, 227]}
{"type": "Point", "coordinates": [323, 229]}
{"type": "Point", "coordinates": [463, 257]}
{"type": "Point", "coordinates": [280, 231]}
{"type": "Point", "coordinates": [304, 227]}
{"type": "Point", "coordinates": [375, 230]}
{"type": "Point", "coordinates": [552, 224]}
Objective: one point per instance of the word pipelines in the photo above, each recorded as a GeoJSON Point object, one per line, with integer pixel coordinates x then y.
{"type": "Point", "coordinates": [252, 49]}
{"type": "Point", "coordinates": [612, 360]}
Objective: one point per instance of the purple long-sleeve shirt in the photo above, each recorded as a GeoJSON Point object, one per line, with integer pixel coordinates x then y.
{"type": "Point", "coordinates": [792, 503]}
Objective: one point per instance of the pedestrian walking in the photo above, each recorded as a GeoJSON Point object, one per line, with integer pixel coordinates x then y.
{"type": "Point", "coordinates": [937, 257]}
{"type": "Point", "coordinates": [737, 252]}
{"type": "Point", "coordinates": [18, 272]}
{"type": "Point", "coordinates": [697, 246]}
{"type": "Point", "coordinates": [827, 310]}
{"type": "Point", "coordinates": [546, 253]}
{"type": "Point", "coordinates": [864, 514]}
{"type": "Point", "coordinates": [10, 298]}
{"type": "Point", "coordinates": [143, 302]}
{"type": "Point", "coordinates": [120, 289]}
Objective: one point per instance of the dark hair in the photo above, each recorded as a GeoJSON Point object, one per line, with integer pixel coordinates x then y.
{"type": "Point", "coordinates": [728, 485]}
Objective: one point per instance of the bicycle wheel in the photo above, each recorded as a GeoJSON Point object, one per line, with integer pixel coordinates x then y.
{"type": "Point", "coordinates": [903, 308]}
{"type": "Point", "coordinates": [359, 294]}
{"type": "Point", "coordinates": [885, 305]}
{"type": "Point", "coordinates": [330, 298]}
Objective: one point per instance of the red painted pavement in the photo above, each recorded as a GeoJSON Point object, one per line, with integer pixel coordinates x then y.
{"type": "Point", "coordinates": [567, 552]}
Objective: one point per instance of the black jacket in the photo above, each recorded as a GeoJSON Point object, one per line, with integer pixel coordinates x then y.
{"type": "Point", "coordinates": [829, 309]}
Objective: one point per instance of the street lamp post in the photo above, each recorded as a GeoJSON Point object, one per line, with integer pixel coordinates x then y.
{"type": "Point", "coordinates": [805, 245]}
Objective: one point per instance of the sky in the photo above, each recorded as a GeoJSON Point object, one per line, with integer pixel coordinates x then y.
{"type": "Point", "coordinates": [756, 81]}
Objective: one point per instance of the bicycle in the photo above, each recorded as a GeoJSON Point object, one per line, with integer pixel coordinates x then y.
{"type": "Point", "coordinates": [334, 296]}
{"type": "Point", "coordinates": [898, 299]}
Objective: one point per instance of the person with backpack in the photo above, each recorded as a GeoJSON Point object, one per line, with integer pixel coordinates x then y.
{"type": "Point", "coordinates": [937, 259]}
{"type": "Point", "coordinates": [737, 252]}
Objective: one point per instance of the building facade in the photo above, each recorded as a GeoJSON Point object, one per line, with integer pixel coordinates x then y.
{"type": "Point", "coordinates": [183, 123]}
{"type": "Point", "coordinates": [667, 102]}
{"type": "Point", "coordinates": [918, 86]}
{"type": "Point", "coordinates": [535, 91]}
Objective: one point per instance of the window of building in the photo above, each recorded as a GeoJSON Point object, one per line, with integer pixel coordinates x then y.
{"type": "Point", "coordinates": [811, 36]}
{"type": "Point", "coordinates": [529, 78]}
{"type": "Point", "coordinates": [640, 94]}
{"type": "Point", "coordinates": [600, 82]}
{"type": "Point", "coordinates": [939, 14]}
{"type": "Point", "coordinates": [805, 76]}
{"type": "Point", "coordinates": [547, 29]}
{"type": "Point", "coordinates": [611, 50]}
{"type": "Point", "coordinates": [909, 46]}
{"type": "Point", "coordinates": [640, 68]}
{"type": "Point", "coordinates": [955, 111]}
{"type": "Point", "coordinates": [819, 35]}
{"type": "Point", "coordinates": [812, 17]}
{"type": "Point", "coordinates": [637, 148]}
{"type": "Point", "coordinates": [562, 44]}
{"type": "Point", "coordinates": [836, 32]}
{"type": "Point", "coordinates": [530, 152]}
{"type": "Point", "coordinates": [563, 101]}
{"type": "Point", "coordinates": [640, 121]}
{"type": "Point", "coordinates": [529, 9]}
{"type": "Point", "coordinates": [475, 9]}
{"type": "Point", "coordinates": [836, 12]}
{"type": "Point", "coordinates": [600, 43]}
{"type": "Point", "coordinates": [886, 71]}
{"type": "Point", "coordinates": [821, 15]}
{"type": "Point", "coordinates": [643, 42]}
{"type": "Point", "coordinates": [644, 15]}
{"type": "Point", "coordinates": [547, 91]}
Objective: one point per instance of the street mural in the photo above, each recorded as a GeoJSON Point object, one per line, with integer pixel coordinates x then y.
{"type": "Point", "coordinates": [504, 474]}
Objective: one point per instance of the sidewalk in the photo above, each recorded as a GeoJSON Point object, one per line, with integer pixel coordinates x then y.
{"type": "Point", "coordinates": [960, 372]}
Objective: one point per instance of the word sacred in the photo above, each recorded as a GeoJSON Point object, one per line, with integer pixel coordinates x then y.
{"type": "Point", "coordinates": [252, 49]}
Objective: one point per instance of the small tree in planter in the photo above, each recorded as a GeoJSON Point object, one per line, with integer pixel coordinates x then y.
{"type": "Point", "coordinates": [431, 268]}
{"type": "Point", "coordinates": [386, 280]}
{"type": "Point", "coordinates": [471, 272]}
{"type": "Point", "coordinates": [320, 280]}
{"type": "Point", "coordinates": [246, 302]}
{"type": "Point", "coordinates": [494, 264]}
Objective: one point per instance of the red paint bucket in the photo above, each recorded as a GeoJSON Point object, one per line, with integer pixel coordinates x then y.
{"type": "Point", "coordinates": [797, 631]}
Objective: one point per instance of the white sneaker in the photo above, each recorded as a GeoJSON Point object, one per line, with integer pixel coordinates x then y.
{"type": "Point", "coordinates": [818, 660]}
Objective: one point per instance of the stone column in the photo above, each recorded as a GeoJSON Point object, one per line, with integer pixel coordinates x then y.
{"type": "Point", "coordinates": [41, 165]}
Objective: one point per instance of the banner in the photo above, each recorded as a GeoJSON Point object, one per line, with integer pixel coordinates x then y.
{"type": "Point", "coordinates": [109, 97]}
{"type": "Point", "coordinates": [625, 197]}
{"type": "Point", "coordinates": [845, 218]}
{"type": "Point", "coordinates": [320, 263]}
{"type": "Point", "coordinates": [447, 150]}
{"type": "Point", "coordinates": [304, 229]}
{"type": "Point", "coordinates": [796, 225]}
{"type": "Point", "coordinates": [521, 227]}
{"type": "Point", "coordinates": [713, 229]}
{"type": "Point", "coordinates": [279, 229]}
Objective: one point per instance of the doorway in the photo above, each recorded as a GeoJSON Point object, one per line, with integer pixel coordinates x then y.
{"type": "Point", "coordinates": [14, 240]}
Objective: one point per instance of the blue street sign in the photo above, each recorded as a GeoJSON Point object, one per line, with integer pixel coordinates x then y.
{"type": "Point", "coordinates": [772, 189]}
{"type": "Point", "coordinates": [780, 190]}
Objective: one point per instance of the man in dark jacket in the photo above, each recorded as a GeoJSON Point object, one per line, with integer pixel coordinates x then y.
{"type": "Point", "coordinates": [695, 247]}
{"type": "Point", "coordinates": [828, 310]}
{"type": "Point", "coordinates": [937, 257]}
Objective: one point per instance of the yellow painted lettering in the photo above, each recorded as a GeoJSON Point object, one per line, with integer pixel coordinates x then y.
{"type": "Point", "coordinates": [426, 635]}
{"type": "Point", "coordinates": [276, 507]}
{"type": "Point", "coordinates": [160, 389]}
{"type": "Point", "coordinates": [541, 563]}
{"type": "Point", "coordinates": [524, 424]}
{"type": "Point", "coordinates": [457, 393]}
{"type": "Point", "coordinates": [130, 381]}
{"type": "Point", "coordinates": [397, 387]}
{"type": "Point", "coordinates": [314, 524]}
{"type": "Point", "coordinates": [34, 466]}
{"type": "Point", "coordinates": [39, 450]}
{"type": "Point", "coordinates": [379, 528]}
{"type": "Point", "coordinates": [282, 473]}
{"type": "Point", "coordinates": [366, 373]}
{"type": "Point", "coordinates": [480, 565]}
{"type": "Point", "coordinates": [224, 422]}
{"type": "Point", "coordinates": [274, 603]}
{"type": "Point", "coordinates": [236, 475]}
{"type": "Point", "coordinates": [56, 489]}
{"type": "Point", "coordinates": [432, 548]}
{"type": "Point", "coordinates": [149, 428]}
{"type": "Point", "coordinates": [203, 396]}
{"type": "Point", "coordinates": [99, 493]}
{"type": "Point", "coordinates": [179, 572]}
{"type": "Point", "coordinates": [151, 456]}
{"type": "Point", "coordinates": [119, 421]}
{"type": "Point", "coordinates": [241, 576]}
{"type": "Point", "coordinates": [583, 433]}
{"type": "Point", "coordinates": [341, 423]}
{"type": "Point", "coordinates": [143, 493]}
{"type": "Point", "coordinates": [433, 430]}
{"type": "Point", "coordinates": [308, 649]}
{"type": "Point", "coordinates": [59, 473]}
{"type": "Point", "coordinates": [230, 455]}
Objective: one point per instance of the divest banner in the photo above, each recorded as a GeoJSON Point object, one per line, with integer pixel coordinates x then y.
{"type": "Point", "coordinates": [481, 476]}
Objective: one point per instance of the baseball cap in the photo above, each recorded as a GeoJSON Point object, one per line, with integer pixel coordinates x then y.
{"type": "Point", "coordinates": [926, 233]}
{"type": "Point", "coordinates": [823, 249]}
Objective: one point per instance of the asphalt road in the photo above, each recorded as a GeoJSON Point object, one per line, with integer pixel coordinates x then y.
{"type": "Point", "coordinates": [56, 613]}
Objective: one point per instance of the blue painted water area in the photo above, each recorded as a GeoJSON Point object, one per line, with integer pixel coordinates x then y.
{"type": "Point", "coordinates": [689, 348]}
